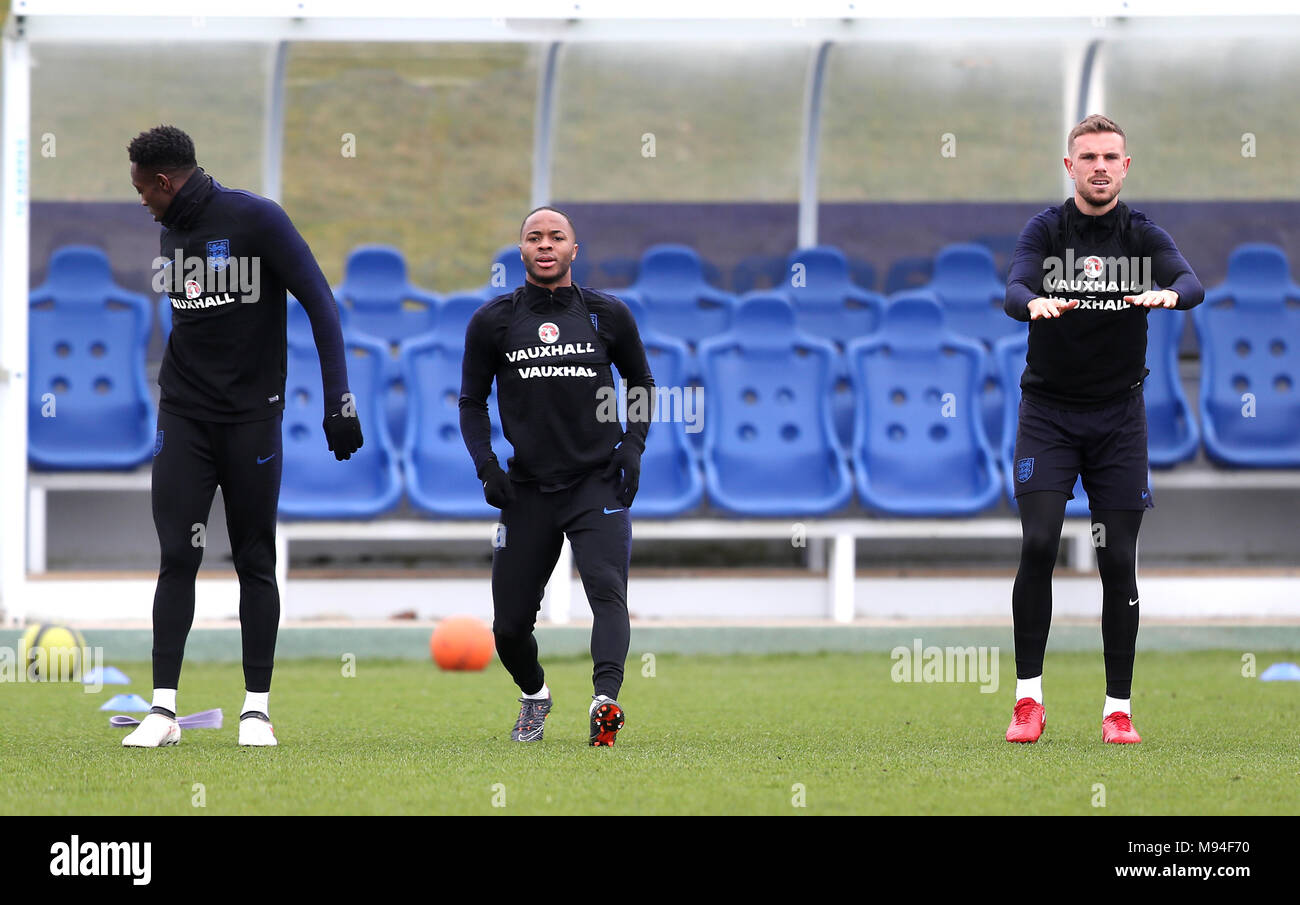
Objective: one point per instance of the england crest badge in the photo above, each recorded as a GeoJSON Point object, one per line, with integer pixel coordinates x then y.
{"type": "Point", "coordinates": [218, 254]}
{"type": "Point", "coordinates": [1024, 469]}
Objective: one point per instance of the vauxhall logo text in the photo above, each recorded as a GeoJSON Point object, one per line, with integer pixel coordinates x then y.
{"type": "Point", "coordinates": [194, 282]}
{"type": "Point", "coordinates": [518, 356]}
{"type": "Point", "coordinates": [1094, 275]}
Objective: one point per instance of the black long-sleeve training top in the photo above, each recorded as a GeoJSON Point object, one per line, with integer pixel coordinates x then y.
{"type": "Point", "coordinates": [227, 259]}
{"type": "Point", "coordinates": [1094, 354]}
{"type": "Point", "coordinates": [550, 354]}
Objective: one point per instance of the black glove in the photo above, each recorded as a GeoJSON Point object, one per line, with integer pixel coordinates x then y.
{"type": "Point", "coordinates": [498, 489]}
{"type": "Point", "coordinates": [343, 433]}
{"type": "Point", "coordinates": [626, 459]}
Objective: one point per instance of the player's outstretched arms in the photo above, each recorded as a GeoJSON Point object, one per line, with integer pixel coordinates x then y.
{"type": "Point", "coordinates": [1044, 308]}
{"type": "Point", "coordinates": [1025, 274]}
{"type": "Point", "coordinates": [1171, 270]}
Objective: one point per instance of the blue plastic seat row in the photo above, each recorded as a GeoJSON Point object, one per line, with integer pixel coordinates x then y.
{"type": "Point", "coordinates": [1249, 332]}
{"type": "Point", "coordinates": [919, 446]}
{"type": "Point", "coordinates": [88, 341]}
{"type": "Point", "coordinates": [438, 473]}
{"type": "Point", "coordinates": [88, 402]}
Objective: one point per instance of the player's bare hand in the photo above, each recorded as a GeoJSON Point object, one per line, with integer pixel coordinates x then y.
{"type": "Point", "coordinates": [1040, 308]}
{"type": "Point", "coordinates": [1154, 298]}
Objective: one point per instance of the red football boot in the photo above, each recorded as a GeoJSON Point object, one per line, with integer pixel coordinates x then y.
{"type": "Point", "coordinates": [1118, 728]}
{"type": "Point", "coordinates": [606, 719]}
{"type": "Point", "coordinates": [1026, 721]}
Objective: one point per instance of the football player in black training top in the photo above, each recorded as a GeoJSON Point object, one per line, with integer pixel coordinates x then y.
{"type": "Point", "coordinates": [1086, 275]}
{"type": "Point", "coordinates": [227, 258]}
{"type": "Point", "coordinates": [549, 346]}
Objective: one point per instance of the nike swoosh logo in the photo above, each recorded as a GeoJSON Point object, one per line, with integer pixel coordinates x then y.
{"type": "Point", "coordinates": [261, 461]}
{"type": "Point", "coordinates": [1133, 602]}
{"type": "Point", "coordinates": [609, 511]}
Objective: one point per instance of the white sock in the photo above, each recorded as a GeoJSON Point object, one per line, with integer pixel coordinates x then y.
{"type": "Point", "coordinates": [165, 698]}
{"type": "Point", "coordinates": [1030, 688]}
{"type": "Point", "coordinates": [256, 701]}
{"type": "Point", "coordinates": [540, 695]}
{"type": "Point", "coordinates": [1113, 704]}
{"type": "Point", "coordinates": [597, 700]}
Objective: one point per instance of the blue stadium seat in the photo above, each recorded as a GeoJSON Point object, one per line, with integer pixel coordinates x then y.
{"type": "Point", "coordinates": [826, 302]}
{"type": "Point", "coordinates": [919, 446]}
{"type": "Point", "coordinates": [383, 305]}
{"type": "Point", "coordinates": [440, 476]}
{"type": "Point", "coordinates": [758, 272]}
{"type": "Point", "coordinates": [645, 324]}
{"type": "Point", "coordinates": [618, 271]}
{"type": "Point", "coordinates": [770, 445]}
{"type": "Point", "coordinates": [863, 273]}
{"type": "Point", "coordinates": [671, 483]}
{"type": "Point", "coordinates": [680, 302]}
{"type": "Point", "coordinates": [1010, 352]}
{"type": "Point", "coordinates": [1249, 331]}
{"type": "Point", "coordinates": [508, 272]}
{"type": "Point", "coordinates": [381, 302]}
{"type": "Point", "coordinates": [843, 404]}
{"type": "Point", "coordinates": [908, 273]}
{"type": "Point", "coordinates": [966, 282]}
{"type": "Point", "coordinates": [1172, 436]}
{"type": "Point", "coordinates": [692, 379]}
{"type": "Point", "coordinates": [829, 305]}
{"type": "Point", "coordinates": [711, 272]}
{"type": "Point", "coordinates": [1002, 246]}
{"type": "Point", "coordinates": [315, 485]}
{"type": "Point", "coordinates": [87, 343]}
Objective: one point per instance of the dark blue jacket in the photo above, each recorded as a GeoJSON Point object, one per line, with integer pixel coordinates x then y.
{"type": "Point", "coordinates": [228, 257]}
{"type": "Point", "coordinates": [1094, 354]}
{"type": "Point", "coordinates": [550, 354]}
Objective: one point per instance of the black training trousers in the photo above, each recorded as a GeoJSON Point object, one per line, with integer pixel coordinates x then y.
{"type": "Point", "coordinates": [1115, 535]}
{"type": "Point", "coordinates": [527, 546]}
{"type": "Point", "coordinates": [191, 459]}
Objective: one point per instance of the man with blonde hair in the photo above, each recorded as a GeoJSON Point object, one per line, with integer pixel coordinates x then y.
{"type": "Point", "coordinates": [1085, 275]}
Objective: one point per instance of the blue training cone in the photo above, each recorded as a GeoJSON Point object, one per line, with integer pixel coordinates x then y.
{"type": "Point", "coordinates": [131, 703]}
{"type": "Point", "coordinates": [107, 675]}
{"type": "Point", "coordinates": [1281, 672]}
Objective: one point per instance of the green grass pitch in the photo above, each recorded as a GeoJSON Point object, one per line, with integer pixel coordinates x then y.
{"type": "Point", "coordinates": [705, 735]}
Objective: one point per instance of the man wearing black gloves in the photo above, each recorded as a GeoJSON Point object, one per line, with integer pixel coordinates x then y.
{"type": "Point", "coordinates": [227, 259]}
{"type": "Point", "coordinates": [549, 346]}
{"type": "Point", "coordinates": [1085, 276]}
